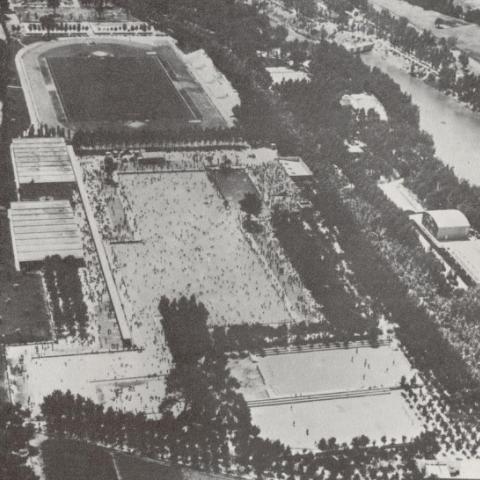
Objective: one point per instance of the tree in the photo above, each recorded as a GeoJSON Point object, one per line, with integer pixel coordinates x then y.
{"type": "Point", "coordinates": [48, 23]}
{"type": "Point", "coordinates": [251, 205]}
{"type": "Point", "coordinates": [15, 434]}
{"type": "Point", "coordinates": [53, 4]}
{"type": "Point", "coordinates": [463, 59]}
{"type": "Point", "coordinates": [4, 6]}
{"type": "Point", "coordinates": [185, 325]}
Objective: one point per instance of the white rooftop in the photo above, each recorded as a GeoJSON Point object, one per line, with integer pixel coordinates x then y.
{"type": "Point", "coordinates": [41, 160]}
{"type": "Point", "coordinates": [44, 228]}
{"type": "Point", "coordinates": [295, 167]}
{"type": "Point", "coordinates": [449, 218]}
{"type": "Point", "coordinates": [284, 74]}
{"type": "Point", "coordinates": [366, 102]}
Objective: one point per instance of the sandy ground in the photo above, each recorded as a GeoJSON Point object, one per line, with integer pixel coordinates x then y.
{"type": "Point", "coordinates": [191, 244]}
{"type": "Point", "coordinates": [125, 380]}
{"type": "Point", "coordinates": [334, 370]}
{"type": "Point", "coordinates": [325, 371]}
{"type": "Point", "coordinates": [343, 419]}
{"type": "Point", "coordinates": [401, 196]}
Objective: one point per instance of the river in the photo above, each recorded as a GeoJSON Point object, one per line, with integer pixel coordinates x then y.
{"type": "Point", "coordinates": [454, 128]}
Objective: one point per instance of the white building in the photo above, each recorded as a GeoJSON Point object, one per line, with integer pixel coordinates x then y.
{"type": "Point", "coordinates": [446, 224]}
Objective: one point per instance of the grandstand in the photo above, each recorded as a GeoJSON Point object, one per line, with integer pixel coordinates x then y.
{"type": "Point", "coordinates": [215, 84]}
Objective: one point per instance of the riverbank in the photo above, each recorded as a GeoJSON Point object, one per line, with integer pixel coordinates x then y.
{"type": "Point", "coordinates": [454, 128]}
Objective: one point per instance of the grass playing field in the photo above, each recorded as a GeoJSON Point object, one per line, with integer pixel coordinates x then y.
{"type": "Point", "coordinates": [116, 88]}
{"type": "Point", "coordinates": [117, 84]}
{"type": "Point", "coordinates": [76, 461]}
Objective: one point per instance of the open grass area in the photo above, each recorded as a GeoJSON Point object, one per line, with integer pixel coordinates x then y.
{"type": "Point", "coordinates": [134, 468]}
{"type": "Point", "coordinates": [105, 88]}
{"type": "Point", "coordinates": [118, 84]}
{"type": "Point", "coordinates": [72, 460]}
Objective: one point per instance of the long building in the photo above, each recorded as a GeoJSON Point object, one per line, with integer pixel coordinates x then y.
{"type": "Point", "coordinates": [42, 168]}
{"type": "Point", "coordinates": [41, 229]}
{"type": "Point", "coordinates": [446, 225]}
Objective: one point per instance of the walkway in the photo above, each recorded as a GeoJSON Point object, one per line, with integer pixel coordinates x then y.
{"type": "Point", "coordinates": [102, 254]}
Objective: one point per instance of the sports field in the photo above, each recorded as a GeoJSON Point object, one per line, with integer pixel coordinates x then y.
{"type": "Point", "coordinates": [114, 83]}
{"type": "Point", "coordinates": [366, 400]}
{"type": "Point", "coordinates": [345, 418]}
{"type": "Point", "coordinates": [192, 244]}
{"type": "Point", "coordinates": [335, 370]}
{"type": "Point", "coordinates": [104, 88]}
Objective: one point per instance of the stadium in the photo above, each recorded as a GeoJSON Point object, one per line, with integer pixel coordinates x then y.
{"type": "Point", "coordinates": [90, 83]}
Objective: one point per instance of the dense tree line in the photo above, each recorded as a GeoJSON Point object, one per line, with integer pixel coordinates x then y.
{"type": "Point", "coordinates": [114, 139]}
{"type": "Point", "coordinates": [66, 297]}
{"type": "Point", "coordinates": [15, 435]}
{"type": "Point", "coordinates": [315, 261]}
{"type": "Point", "coordinates": [185, 326]}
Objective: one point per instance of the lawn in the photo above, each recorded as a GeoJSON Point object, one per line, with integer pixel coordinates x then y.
{"type": "Point", "coordinates": [110, 88]}
{"type": "Point", "coordinates": [72, 460]}
{"type": "Point", "coordinates": [133, 468]}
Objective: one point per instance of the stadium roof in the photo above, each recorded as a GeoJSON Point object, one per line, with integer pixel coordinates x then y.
{"type": "Point", "coordinates": [41, 160]}
{"type": "Point", "coordinates": [449, 218]}
{"type": "Point", "coordinates": [41, 229]}
{"type": "Point", "coordinates": [295, 167]}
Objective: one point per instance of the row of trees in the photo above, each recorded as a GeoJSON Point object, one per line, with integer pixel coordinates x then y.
{"type": "Point", "coordinates": [315, 260]}
{"type": "Point", "coordinates": [114, 139]}
{"type": "Point", "coordinates": [66, 296]}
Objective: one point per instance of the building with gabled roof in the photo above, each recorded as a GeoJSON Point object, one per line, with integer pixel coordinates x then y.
{"type": "Point", "coordinates": [41, 229]}
{"type": "Point", "coordinates": [446, 224]}
{"type": "Point", "coordinates": [42, 167]}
